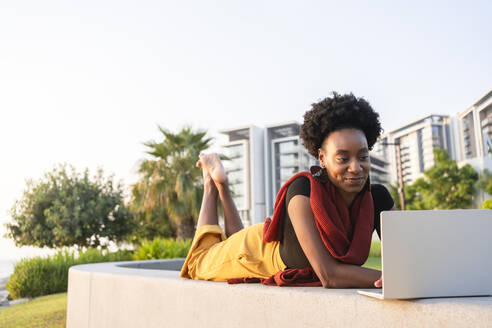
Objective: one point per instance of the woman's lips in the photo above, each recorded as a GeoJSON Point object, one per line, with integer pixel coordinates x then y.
{"type": "Point", "coordinates": [354, 181]}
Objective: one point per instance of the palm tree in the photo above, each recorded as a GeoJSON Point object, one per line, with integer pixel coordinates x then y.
{"type": "Point", "coordinates": [170, 182]}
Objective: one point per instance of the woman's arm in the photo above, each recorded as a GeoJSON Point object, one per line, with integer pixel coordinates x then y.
{"type": "Point", "coordinates": [330, 272]}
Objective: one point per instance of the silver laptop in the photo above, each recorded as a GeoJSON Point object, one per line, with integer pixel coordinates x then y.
{"type": "Point", "coordinates": [441, 253]}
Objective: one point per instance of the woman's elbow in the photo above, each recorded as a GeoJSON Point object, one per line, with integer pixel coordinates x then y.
{"type": "Point", "coordinates": [331, 283]}
{"type": "Point", "coordinates": [330, 279]}
{"type": "Point", "coordinates": [328, 283]}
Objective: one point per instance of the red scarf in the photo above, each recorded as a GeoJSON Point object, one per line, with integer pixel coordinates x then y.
{"type": "Point", "coordinates": [290, 277]}
{"type": "Point", "coordinates": [346, 233]}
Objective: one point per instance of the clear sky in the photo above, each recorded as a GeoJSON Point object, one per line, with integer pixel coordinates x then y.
{"type": "Point", "coordinates": [86, 82]}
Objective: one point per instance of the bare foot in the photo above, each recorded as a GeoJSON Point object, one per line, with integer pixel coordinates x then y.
{"type": "Point", "coordinates": [207, 179]}
{"type": "Point", "coordinates": [212, 163]}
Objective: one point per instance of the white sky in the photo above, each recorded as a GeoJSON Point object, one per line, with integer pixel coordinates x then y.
{"type": "Point", "coordinates": [86, 82]}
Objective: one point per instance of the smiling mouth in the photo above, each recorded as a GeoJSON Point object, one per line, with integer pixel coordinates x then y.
{"type": "Point", "coordinates": [354, 180]}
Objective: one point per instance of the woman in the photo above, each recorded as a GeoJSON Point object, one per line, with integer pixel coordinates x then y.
{"type": "Point", "coordinates": [323, 221]}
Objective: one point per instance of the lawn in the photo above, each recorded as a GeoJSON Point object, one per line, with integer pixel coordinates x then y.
{"type": "Point", "coordinates": [373, 263]}
{"type": "Point", "coordinates": [45, 311]}
{"type": "Point", "coordinates": [374, 259]}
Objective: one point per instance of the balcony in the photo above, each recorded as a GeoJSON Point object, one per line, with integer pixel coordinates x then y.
{"type": "Point", "coordinates": [235, 155]}
{"type": "Point", "coordinates": [233, 169]}
{"type": "Point", "coordinates": [487, 129]}
{"type": "Point", "coordinates": [287, 147]}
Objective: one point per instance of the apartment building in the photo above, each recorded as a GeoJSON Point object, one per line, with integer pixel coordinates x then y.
{"type": "Point", "coordinates": [416, 140]}
{"type": "Point", "coordinates": [475, 128]}
{"type": "Point", "coordinates": [246, 172]}
{"type": "Point", "coordinates": [467, 136]}
{"type": "Point", "coordinates": [474, 137]}
{"type": "Point", "coordinates": [379, 169]}
{"type": "Point", "coordinates": [284, 156]}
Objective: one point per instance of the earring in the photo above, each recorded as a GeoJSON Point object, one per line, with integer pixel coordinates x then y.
{"type": "Point", "coordinates": [319, 172]}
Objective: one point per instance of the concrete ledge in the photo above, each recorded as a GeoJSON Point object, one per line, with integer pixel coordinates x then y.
{"type": "Point", "coordinates": [151, 294]}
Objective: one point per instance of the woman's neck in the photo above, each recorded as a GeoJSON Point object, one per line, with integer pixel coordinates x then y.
{"type": "Point", "coordinates": [348, 197]}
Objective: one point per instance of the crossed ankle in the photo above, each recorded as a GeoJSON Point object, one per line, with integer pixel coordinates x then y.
{"type": "Point", "coordinates": [209, 188]}
{"type": "Point", "coordinates": [223, 187]}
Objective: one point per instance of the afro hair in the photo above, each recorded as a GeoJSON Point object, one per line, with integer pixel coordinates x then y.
{"type": "Point", "coordinates": [336, 113]}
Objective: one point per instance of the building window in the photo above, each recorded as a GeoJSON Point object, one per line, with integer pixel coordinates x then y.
{"type": "Point", "coordinates": [286, 154]}
{"type": "Point", "coordinates": [437, 137]}
{"type": "Point", "coordinates": [421, 151]}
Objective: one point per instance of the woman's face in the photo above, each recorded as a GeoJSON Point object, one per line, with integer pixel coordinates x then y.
{"type": "Point", "coordinates": [345, 155]}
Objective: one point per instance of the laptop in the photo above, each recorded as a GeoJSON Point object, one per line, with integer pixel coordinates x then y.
{"type": "Point", "coordinates": [438, 253]}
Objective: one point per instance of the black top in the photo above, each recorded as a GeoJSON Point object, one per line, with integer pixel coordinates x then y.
{"type": "Point", "coordinates": [290, 249]}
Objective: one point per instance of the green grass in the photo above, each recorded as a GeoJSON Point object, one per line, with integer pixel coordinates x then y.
{"type": "Point", "coordinates": [373, 263]}
{"type": "Point", "coordinates": [374, 259]}
{"type": "Point", "coordinates": [375, 250]}
{"type": "Point", "coordinates": [45, 311]}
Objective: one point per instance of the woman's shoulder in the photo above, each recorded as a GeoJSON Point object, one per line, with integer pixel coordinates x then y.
{"type": "Point", "coordinates": [378, 188]}
{"type": "Point", "coordinates": [299, 186]}
{"type": "Point", "coordinates": [381, 196]}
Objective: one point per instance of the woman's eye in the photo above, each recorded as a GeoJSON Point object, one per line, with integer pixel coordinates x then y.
{"type": "Point", "coordinates": [342, 159]}
{"type": "Point", "coordinates": [364, 158]}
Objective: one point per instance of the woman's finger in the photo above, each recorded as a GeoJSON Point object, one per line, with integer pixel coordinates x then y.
{"type": "Point", "coordinates": [378, 283]}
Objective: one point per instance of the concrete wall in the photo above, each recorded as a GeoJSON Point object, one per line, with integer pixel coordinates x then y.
{"type": "Point", "coordinates": [120, 295]}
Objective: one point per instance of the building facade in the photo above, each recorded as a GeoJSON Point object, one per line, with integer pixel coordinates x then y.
{"type": "Point", "coordinates": [379, 170]}
{"type": "Point", "coordinates": [466, 136]}
{"type": "Point", "coordinates": [416, 141]}
{"type": "Point", "coordinates": [284, 156]}
{"type": "Point", "coordinates": [245, 171]}
{"type": "Point", "coordinates": [475, 128]}
{"type": "Point", "coordinates": [474, 137]}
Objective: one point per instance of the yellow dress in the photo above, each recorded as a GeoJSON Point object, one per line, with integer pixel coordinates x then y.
{"type": "Point", "coordinates": [214, 257]}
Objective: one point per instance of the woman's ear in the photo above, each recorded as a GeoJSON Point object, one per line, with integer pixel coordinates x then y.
{"type": "Point", "coordinates": [321, 155]}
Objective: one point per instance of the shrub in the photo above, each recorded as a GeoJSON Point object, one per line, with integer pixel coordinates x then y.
{"type": "Point", "coordinates": [487, 204]}
{"type": "Point", "coordinates": [39, 276]}
{"type": "Point", "coordinates": [96, 256]}
{"type": "Point", "coordinates": [42, 276]}
{"type": "Point", "coordinates": [162, 248]}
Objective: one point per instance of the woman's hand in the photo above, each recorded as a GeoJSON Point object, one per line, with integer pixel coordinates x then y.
{"type": "Point", "coordinates": [379, 283]}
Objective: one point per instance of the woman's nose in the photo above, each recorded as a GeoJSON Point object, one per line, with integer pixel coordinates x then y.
{"type": "Point", "coordinates": [355, 166]}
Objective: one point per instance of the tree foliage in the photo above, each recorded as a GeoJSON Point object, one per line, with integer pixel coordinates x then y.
{"type": "Point", "coordinates": [413, 199]}
{"type": "Point", "coordinates": [151, 221]}
{"type": "Point", "coordinates": [393, 190]}
{"type": "Point", "coordinates": [487, 204]}
{"type": "Point", "coordinates": [443, 186]}
{"type": "Point", "coordinates": [170, 185]}
{"type": "Point", "coordinates": [485, 183]}
{"type": "Point", "coordinates": [66, 208]}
